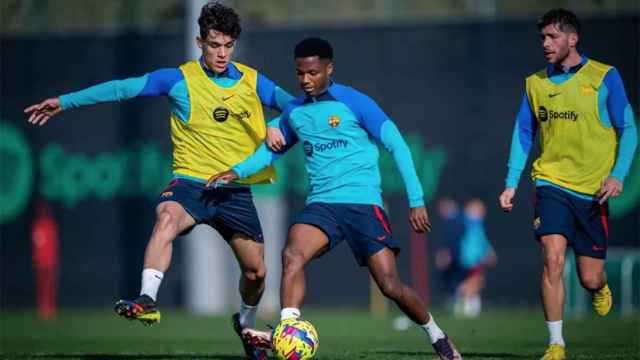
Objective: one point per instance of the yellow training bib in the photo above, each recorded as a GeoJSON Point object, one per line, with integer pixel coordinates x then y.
{"type": "Point", "coordinates": [225, 126]}
{"type": "Point", "coordinates": [578, 151]}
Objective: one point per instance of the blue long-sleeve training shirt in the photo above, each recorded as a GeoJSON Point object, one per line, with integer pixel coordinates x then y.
{"type": "Point", "coordinates": [615, 111]}
{"type": "Point", "coordinates": [337, 130]}
{"type": "Point", "coordinates": [170, 82]}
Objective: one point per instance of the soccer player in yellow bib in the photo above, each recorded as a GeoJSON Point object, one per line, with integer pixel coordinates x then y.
{"type": "Point", "coordinates": [588, 138]}
{"type": "Point", "coordinates": [216, 120]}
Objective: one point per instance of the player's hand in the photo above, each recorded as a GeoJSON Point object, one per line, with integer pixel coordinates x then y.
{"type": "Point", "coordinates": [505, 199]}
{"type": "Point", "coordinates": [611, 187]}
{"type": "Point", "coordinates": [275, 140]}
{"type": "Point", "coordinates": [420, 220]}
{"type": "Point", "coordinates": [40, 113]}
{"type": "Point", "coordinates": [222, 178]}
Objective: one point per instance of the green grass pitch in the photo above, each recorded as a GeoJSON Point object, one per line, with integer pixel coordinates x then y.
{"type": "Point", "coordinates": [344, 334]}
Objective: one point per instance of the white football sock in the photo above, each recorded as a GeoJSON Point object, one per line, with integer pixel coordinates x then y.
{"type": "Point", "coordinates": [555, 332]}
{"type": "Point", "coordinates": [248, 315]}
{"type": "Point", "coordinates": [289, 313]}
{"type": "Point", "coordinates": [151, 280]}
{"type": "Point", "coordinates": [433, 330]}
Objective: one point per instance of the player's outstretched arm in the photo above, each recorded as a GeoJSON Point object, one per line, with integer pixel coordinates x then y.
{"type": "Point", "coordinates": [506, 199]}
{"type": "Point", "coordinates": [420, 219]}
{"type": "Point", "coordinates": [40, 113]}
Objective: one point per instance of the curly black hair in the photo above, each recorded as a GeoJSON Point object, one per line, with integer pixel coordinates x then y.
{"type": "Point", "coordinates": [215, 16]}
{"type": "Point", "coordinates": [565, 19]}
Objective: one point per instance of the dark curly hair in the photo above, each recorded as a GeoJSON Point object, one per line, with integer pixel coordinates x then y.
{"type": "Point", "coordinates": [565, 19]}
{"type": "Point", "coordinates": [215, 16]}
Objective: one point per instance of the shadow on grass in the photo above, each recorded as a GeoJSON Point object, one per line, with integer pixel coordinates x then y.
{"type": "Point", "coordinates": [466, 355]}
{"type": "Point", "coordinates": [123, 356]}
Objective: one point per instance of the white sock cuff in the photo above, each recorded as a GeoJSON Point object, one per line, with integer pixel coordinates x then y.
{"type": "Point", "coordinates": [289, 312]}
{"type": "Point", "coordinates": [555, 332]}
{"type": "Point", "coordinates": [433, 330]}
{"type": "Point", "coordinates": [431, 322]}
{"type": "Point", "coordinates": [245, 306]}
{"type": "Point", "coordinates": [153, 272]}
{"type": "Point", "coordinates": [151, 280]}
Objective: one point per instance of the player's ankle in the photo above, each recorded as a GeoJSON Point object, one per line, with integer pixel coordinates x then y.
{"type": "Point", "coordinates": [289, 312]}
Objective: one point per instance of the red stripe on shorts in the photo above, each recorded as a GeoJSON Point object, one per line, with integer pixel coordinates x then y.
{"type": "Point", "coordinates": [382, 219]}
{"type": "Point", "coordinates": [605, 220]}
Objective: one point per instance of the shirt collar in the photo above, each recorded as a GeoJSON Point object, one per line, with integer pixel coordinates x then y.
{"type": "Point", "coordinates": [231, 72]}
{"type": "Point", "coordinates": [554, 69]}
{"type": "Point", "coordinates": [325, 96]}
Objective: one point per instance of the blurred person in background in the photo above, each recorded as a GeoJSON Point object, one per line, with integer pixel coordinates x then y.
{"type": "Point", "coordinates": [588, 137]}
{"type": "Point", "coordinates": [216, 120]}
{"type": "Point", "coordinates": [337, 127]}
{"type": "Point", "coordinates": [464, 254]}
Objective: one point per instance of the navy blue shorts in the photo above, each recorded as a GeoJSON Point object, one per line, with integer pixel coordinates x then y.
{"type": "Point", "coordinates": [365, 227]}
{"type": "Point", "coordinates": [229, 210]}
{"type": "Point", "coordinates": [585, 223]}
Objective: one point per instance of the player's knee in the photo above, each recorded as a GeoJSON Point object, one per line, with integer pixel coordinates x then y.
{"type": "Point", "coordinates": [292, 260]}
{"type": "Point", "coordinates": [166, 223]}
{"type": "Point", "coordinates": [391, 287]}
{"type": "Point", "coordinates": [554, 264]}
{"type": "Point", "coordinates": [256, 273]}
{"type": "Point", "coordinates": [591, 281]}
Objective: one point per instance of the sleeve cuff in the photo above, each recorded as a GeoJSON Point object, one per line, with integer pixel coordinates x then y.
{"type": "Point", "coordinates": [416, 203]}
{"type": "Point", "coordinates": [65, 102]}
{"type": "Point", "coordinates": [618, 176]}
{"type": "Point", "coordinates": [238, 170]}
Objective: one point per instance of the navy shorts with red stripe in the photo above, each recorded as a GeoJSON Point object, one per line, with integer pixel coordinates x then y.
{"type": "Point", "coordinates": [365, 227]}
{"type": "Point", "coordinates": [585, 223]}
{"type": "Point", "coordinates": [229, 210]}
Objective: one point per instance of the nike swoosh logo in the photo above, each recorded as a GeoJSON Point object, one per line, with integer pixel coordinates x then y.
{"type": "Point", "coordinates": [225, 98]}
{"type": "Point", "coordinates": [381, 238]}
{"type": "Point", "coordinates": [554, 95]}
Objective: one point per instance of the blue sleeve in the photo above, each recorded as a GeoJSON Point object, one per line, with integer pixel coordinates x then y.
{"type": "Point", "coordinates": [524, 133]}
{"type": "Point", "coordinates": [394, 143]}
{"type": "Point", "coordinates": [382, 128]}
{"type": "Point", "coordinates": [260, 159]}
{"type": "Point", "coordinates": [622, 119]}
{"type": "Point", "coordinates": [272, 95]}
{"type": "Point", "coordinates": [263, 157]}
{"type": "Point", "coordinates": [155, 83]}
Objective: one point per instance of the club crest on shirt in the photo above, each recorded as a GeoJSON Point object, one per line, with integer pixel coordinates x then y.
{"type": "Point", "coordinates": [334, 121]}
